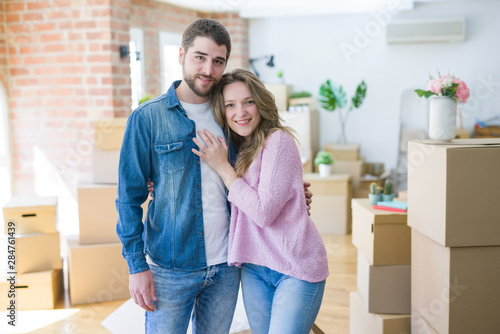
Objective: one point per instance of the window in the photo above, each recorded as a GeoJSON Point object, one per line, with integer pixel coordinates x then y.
{"type": "Point", "coordinates": [171, 70]}
{"type": "Point", "coordinates": [5, 171]}
{"type": "Point", "coordinates": [136, 48]}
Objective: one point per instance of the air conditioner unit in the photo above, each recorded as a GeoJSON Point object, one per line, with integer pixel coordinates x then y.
{"type": "Point", "coordinates": [426, 31]}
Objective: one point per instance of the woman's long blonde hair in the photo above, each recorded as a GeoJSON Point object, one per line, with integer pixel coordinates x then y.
{"type": "Point", "coordinates": [270, 118]}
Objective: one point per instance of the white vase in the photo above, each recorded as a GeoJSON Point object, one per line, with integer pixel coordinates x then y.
{"type": "Point", "coordinates": [324, 170]}
{"type": "Point", "coordinates": [442, 118]}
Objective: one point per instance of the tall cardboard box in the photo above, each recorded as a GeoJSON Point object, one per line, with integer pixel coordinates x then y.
{"type": "Point", "coordinates": [454, 190]}
{"type": "Point", "coordinates": [97, 273]}
{"type": "Point", "coordinates": [384, 289]}
{"type": "Point", "coordinates": [383, 237]}
{"type": "Point", "coordinates": [420, 326]}
{"type": "Point", "coordinates": [332, 198]}
{"type": "Point", "coordinates": [306, 126]}
{"type": "Point", "coordinates": [31, 214]}
{"type": "Point", "coordinates": [109, 133]}
{"type": "Point", "coordinates": [363, 322]}
{"type": "Point", "coordinates": [281, 93]}
{"type": "Point", "coordinates": [105, 166]}
{"type": "Point", "coordinates": [37, 252]}
{"type": "Point", "coordinates": [455, 290]}
{"type": "Point", "coordinates": [349, 152]}
{"type": "Point", "coordinates": [97, 213]}
{"type": "Point", "coordinates": [34, 291]}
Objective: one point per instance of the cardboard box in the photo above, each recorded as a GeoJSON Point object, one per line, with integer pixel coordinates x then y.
{"type": "Point", "coordinates": [454, 191]}
{"type": "Point", "coordinates": [331, 207]}
{"type": "Point", "coordinates": [97, 273]}
{"type": "Point", "coordinates": [420, 326]}
{"type": "Point", "coordinates": [31, 214]}
{"type": "Point", "coordinates": [353, 168]}
{"type": "Point", "coordinates": [381, 236]}
{"type": "Point", "coordinates": [109, 133]}
{"type": "Point", "coordinates": [384, 289]}
{"type": "Point", "coordinates": [37, 252]}
{"type": "Point", "coordinates": [306, 126]}
{"type": "Point", "coordinates": [374, 168]}
{"type": "Point", "coordinates": [455, 289]}
{"type": "Point", "coordinates": [348, 152]}
{"type": "Point", "coordinates": [364, 186]}
{"type": "Point", "coordinates": [362, 322]}
{"type": "Point", "coordinates": [34, 291]}
{"type": "Point", "coordinates": [97, 213]}
{"type": "Point", "coordinates": [281, 92]}
{"type": "Point", "coordinates": [105, 166]}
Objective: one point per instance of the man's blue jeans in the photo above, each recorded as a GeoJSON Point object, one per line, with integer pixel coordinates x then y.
{"type": "Point", "coordinates": [209, 295]}
{"type": "Point", "coordinates": [277, 303]}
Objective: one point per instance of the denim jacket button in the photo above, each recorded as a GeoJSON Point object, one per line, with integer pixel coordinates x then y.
{"type": "Point", "coordinates": [201, 233]}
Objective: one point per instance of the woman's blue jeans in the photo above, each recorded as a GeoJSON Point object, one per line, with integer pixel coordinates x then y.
{"type": "Point", "coordinates": [209, 295]}
{"type": "Point", "coordinates": [277, 303]}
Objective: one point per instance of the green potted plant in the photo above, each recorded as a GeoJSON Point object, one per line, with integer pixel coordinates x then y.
{"type": "Point", "coordinates": [323, 160]}
{"type": "Point", "coordinates": [375, 194]}
{"type": "Point", "coordinates": [333, 97]}
{"type": "Point", "coordinates": [300, 98]}
{"type": "Point", "coordinates": [388, 195]}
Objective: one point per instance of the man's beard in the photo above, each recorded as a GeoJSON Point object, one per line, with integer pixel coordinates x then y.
{"type": "Point", "coordinates": [191, 82]}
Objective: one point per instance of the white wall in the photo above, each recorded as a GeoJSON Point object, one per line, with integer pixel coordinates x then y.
{"type": "Point", "coordinates": [308, 50]}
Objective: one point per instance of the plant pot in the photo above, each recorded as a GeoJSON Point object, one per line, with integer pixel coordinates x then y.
{"type": "Point", "coordinates": [324, 170]}
{"type": "Point", "coordinates": [387, 198]}
{"type": "Point", "coordinates": [374, 198]}
{"type": "Point", "coordinates": [442, 118]}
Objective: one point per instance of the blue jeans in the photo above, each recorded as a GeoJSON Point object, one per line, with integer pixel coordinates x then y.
{"type": "Point", "coordinates": [209, 295]}
{"type": "Point", "coordinates": [277, 303]}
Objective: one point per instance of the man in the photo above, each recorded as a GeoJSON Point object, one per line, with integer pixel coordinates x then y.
{"type": "Point", "coordinates": [177, 259]}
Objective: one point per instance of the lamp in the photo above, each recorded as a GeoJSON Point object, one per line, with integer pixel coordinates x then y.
{"type": "Point", "coordinates": [270, 63]}
{"type": "Point", "coordinates": [125, 53]}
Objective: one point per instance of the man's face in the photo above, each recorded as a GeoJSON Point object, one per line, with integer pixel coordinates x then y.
{"type": "Point", "coordinates": [203, 65]}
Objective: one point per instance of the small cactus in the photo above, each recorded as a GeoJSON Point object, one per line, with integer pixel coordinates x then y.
{"type": "Point", "coordinates": [379, 190]}
{"type": "Point", "coordinates": [388, 187]}
{"type": "Point", "coordinates": [373, 188]}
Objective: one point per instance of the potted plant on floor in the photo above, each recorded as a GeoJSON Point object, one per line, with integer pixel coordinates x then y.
{"type": "Point", "coordinates": [324, 161]}
{"type": "Point", "coordinates": [375, 194]}
{"type": "Point", "coordinates": [388, 195]}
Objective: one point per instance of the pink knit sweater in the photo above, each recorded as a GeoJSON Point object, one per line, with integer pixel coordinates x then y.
{"type": "Point", "coordinates": [269, 222]}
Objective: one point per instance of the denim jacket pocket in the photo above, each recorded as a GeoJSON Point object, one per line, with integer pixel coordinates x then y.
{"type": "Point", "coordinates": [171, 157]}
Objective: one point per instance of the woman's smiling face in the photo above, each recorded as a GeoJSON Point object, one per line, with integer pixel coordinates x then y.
{"type": "Point", "coordinates": [242, 114]}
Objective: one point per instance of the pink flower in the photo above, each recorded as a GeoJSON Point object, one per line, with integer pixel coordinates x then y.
{"type": "Point", "coordinates": [462, 93]}
{"type": "Point", "coordinates": [435, 86]}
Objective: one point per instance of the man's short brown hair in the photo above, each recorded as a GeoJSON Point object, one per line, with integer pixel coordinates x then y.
{"type": "Point", "coordinates": [207, 28]}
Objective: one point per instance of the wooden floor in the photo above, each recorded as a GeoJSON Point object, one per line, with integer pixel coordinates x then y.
{"type": "Point", "coordinates": [333, 317]}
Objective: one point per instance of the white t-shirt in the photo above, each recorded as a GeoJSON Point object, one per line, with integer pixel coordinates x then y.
{"type": "Point", "coordinates": [213, 190]}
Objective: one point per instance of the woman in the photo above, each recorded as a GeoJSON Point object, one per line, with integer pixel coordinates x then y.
{"type": "Point", "coordinates": [282, 256]}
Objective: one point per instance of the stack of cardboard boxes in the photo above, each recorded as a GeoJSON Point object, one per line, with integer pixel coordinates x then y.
{"type": "Point", "coordinates": [96, 268]}
{"type": "Point", "coordinates": [34, 269]}
{"type": "Point", "coordinates": [454, 213]}
{"type": "Point", "coordinates": [302, 116]}
{"type": "Point", "coordinates": [382, 304]}
{"type": "Point", "coordinates": [331, 211]}
{"type": "Point", "coordinates": [347, 161]}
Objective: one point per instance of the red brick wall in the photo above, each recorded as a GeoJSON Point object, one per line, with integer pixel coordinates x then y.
{"type": "Point", "coordinates": [153, 17]}
{"type": "Point", "coordinates": [3, 49]}
{"type": "Point", "coordinates": [65, 72]}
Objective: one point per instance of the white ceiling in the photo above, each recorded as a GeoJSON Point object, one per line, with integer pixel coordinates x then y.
{"type": "Point", "coordinates": [275, 8]}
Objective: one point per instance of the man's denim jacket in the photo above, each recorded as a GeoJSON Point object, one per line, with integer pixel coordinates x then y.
{"type": "Point", "coordinates": [157, 145]}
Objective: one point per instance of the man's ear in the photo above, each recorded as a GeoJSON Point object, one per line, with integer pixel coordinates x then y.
{"type": "Point", "coordinates": [181, 55]}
